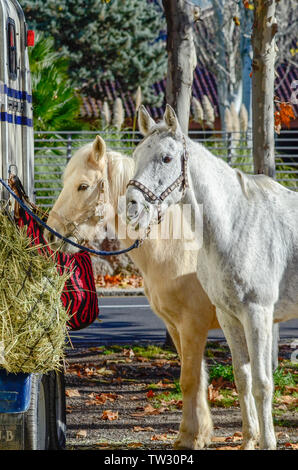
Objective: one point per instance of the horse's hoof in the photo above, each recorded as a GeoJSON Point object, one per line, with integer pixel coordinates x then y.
{"type": "Point", "coordinates": [248, 445]}
{"type": "Point", "coordinates": [185, 443]}
{"type": "Point", "coordinates": [178, 445]}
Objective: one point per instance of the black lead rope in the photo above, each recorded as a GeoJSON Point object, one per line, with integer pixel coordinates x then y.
{"type": "Point", "coordinates": [136, 244]}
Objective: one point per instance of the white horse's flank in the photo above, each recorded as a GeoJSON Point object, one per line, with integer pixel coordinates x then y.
{"type": "Point", "coordinates": [168, 269]}
{"type": "Point", "coordinates": [248, 264]}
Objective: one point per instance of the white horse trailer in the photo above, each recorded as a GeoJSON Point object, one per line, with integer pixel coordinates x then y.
{"type": "Point", "coordinates": [16, 136]}
{"type": "Point", "coordinates": [32, 406]}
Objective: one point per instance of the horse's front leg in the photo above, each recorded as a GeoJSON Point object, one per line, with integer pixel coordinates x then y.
{"type": "Point", "coordinates": [196, 425]}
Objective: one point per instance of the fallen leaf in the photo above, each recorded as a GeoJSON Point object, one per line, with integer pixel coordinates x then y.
{"type": "Point", "coordinates": [128, 352]}
{"type": "Point", "coordinates": [109, 415]}
{"type": "Point", "coordinates": [291, 445]}
{"type": "Point", "coordinates": [117, 380]}
{"type": "Point", "coordinates": [105, 371]}
{"type": "Point", "coordinates": [163, 385]}
{"type": "Point", "coordinates": [218, 439]}
{"type": "Point", "coordinates": [150, 394]}
{"type": "Point", "coordinates": [103, 445]}
{"type": "Point", "coordinates": [81, 433]}
{"type": "Point", "coordinates": [140, 429]}
{"type": "Point", "coordinates": [287, 399]}
{"type": "Point", "coordinates": [72, 392]}
{"type": "Point", "coordinates": [237, 436]}
{"type": "Point", "coordinates": [148, 410]}
{"type": "Point", "coordinates": [135, 444]}
{"type": "Point", "coordinates": [142, 359]}
{"type": "Point", "coordinates": [213, 394]}
{"type": "Point", "coordinates": [291, 389]}
{"type": "Point", "coordinates": [159, 437]}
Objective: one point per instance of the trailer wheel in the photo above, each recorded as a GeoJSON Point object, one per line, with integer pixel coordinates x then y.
{"type": "Point", "coordinates": [37, 432]}
{"type": "Point", "coordinates": [57, 411]}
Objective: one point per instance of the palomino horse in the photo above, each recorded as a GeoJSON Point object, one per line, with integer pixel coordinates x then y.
{"type": "Point", "coordinates": [248, 262]}
{"type": "Point", "coordinates": [167, 266]}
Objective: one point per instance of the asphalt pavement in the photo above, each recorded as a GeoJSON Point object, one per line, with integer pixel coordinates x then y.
{"type": "Point", "coordinates": [129, 319]}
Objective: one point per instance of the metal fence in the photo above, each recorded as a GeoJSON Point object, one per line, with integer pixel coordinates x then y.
{"type": "Point", "coordinates": [54, 149]}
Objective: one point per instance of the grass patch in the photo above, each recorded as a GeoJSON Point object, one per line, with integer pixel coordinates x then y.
{"type": "Point", "coordinates": [153, 352]}
{"type": "Point", "coordinates": [283, 377]}
{"type": "Point", "coordinates": [167, 396]}
{"type": "Point", "coordinates": [220, 370]}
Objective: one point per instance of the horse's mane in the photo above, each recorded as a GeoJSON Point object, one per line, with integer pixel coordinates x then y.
{"type": "Point", "coordinates": [252, 184]}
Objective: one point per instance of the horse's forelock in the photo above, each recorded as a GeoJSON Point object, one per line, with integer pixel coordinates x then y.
{"type": "Point", "coordinates": [120, 171]}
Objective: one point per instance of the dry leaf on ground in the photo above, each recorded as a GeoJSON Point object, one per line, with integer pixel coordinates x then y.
{"type": "Point", "coordinates": [213, 394]}
{"type": "Point", "coordinates": [150, 394]}
{"type": "Point", "coordinates": [72, 392]}
{"type": "Point", "coordinates": [287, 399]}
{"type": "Point", "coordinates": [140, 429]}
{"type": "Point", "coordinates": [134, 445]}
{"type": "Point", "coordinates": [237, 436]}
{"type": "Point", "coordinates": [159, 437]}
{"type": "Point", "coordinates": [110, 415]}
{"type": "Point", "coordinates": [128, 352]}
{"type": "Point", "coordinates": [290, 445]}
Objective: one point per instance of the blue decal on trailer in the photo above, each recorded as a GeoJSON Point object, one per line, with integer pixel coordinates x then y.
{"type": "Point", "coordinates": [17, 94]}
{"type": "Point", "coordinates": [13, 119]}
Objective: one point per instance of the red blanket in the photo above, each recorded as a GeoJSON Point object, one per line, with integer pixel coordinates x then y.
{"type": "Point", "coordinates": [79, 294]}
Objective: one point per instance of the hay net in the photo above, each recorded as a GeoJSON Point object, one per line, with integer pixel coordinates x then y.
{"type": "Point", "coordinates": [32, 318]}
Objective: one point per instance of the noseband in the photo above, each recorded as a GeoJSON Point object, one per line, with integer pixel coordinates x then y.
{"type": "Point", "coordinates": [181, 182]}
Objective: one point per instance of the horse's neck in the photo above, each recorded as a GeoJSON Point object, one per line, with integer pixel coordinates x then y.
{"type": "Point", "coordinates": [216, 187]}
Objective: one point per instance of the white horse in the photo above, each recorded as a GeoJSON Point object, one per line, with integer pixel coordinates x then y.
{"type": "Point", "coordinates": [248, 263]}
{"type": "Point", "coordinates": [167, 266]}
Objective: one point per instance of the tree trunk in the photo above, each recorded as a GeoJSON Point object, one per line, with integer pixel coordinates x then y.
{"type": "Point", "coordinates": [246, 62]}
{"type": "Point", "coordinates": [182, 61]}
{"type": "Point", "coordinates": [182, 58]}
{"type": "Point", "coordinates": [263, 42]}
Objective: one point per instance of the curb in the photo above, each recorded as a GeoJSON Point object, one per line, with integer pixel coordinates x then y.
{"type": "Point", "coordinates": [116, 292]}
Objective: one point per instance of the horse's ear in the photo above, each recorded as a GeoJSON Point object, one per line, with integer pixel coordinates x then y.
{"type": "Point", "coordinates": [171, 119]}
{"type": "Point", "coordinates": [145, 121]}
{"type": "Point", "coordinates": [98, 151]}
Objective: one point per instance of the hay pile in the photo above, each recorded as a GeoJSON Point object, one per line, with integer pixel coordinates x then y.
{"type": "Point", "coordinates": [32, 317]}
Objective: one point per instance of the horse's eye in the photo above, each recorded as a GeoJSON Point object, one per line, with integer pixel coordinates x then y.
{"type": "Point", "coordinates": [83, 187]}
{"type": "Point", "coordinates": [167, 159]}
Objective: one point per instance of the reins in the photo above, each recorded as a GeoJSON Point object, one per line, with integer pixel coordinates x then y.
{"type": "Point", "coordinates": [136, 244]}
